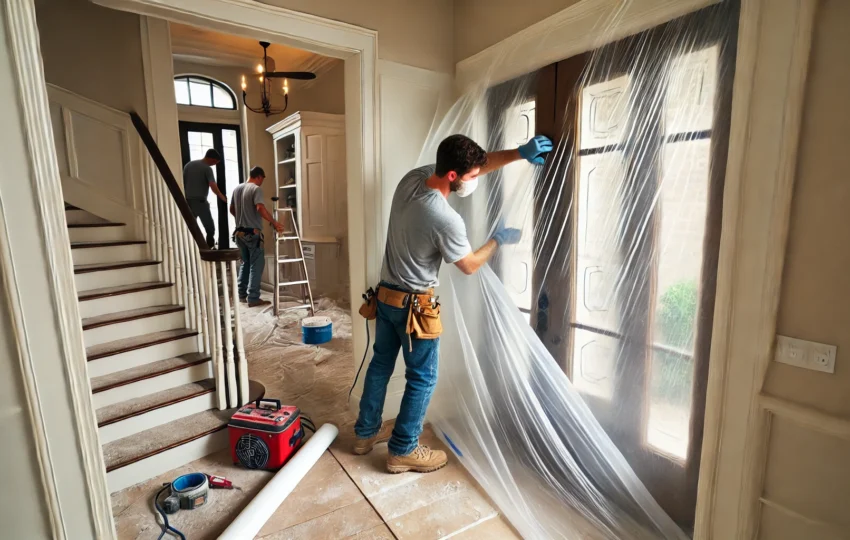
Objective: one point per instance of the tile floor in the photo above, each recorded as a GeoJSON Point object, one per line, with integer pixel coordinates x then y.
{"type": "Point", "coordinates": [343, 496]}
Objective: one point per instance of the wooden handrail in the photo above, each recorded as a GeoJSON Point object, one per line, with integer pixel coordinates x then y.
{"type": "Point", "coordinates": [207, 254]}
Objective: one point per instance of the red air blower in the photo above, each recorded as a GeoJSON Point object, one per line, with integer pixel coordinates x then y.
{"type": "Point", "coordinates": [264, 435]}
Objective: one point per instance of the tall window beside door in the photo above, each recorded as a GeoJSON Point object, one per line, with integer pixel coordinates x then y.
{"type": "Point", "coordinates": [622, 267]}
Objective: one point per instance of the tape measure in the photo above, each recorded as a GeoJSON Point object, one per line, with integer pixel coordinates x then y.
{"type": "Point", "coordinates": [187, 492]}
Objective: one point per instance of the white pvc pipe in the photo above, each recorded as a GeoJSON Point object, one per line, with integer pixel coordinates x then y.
{"type": "Point", "coordinates": [260, 509]}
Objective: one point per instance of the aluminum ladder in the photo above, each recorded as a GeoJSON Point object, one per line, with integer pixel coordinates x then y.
{"type": "Point", "coordinates": [287, 261]}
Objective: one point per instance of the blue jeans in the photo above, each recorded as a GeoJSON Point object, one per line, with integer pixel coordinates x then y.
{"type": "Point", "coordinates": [253, 261]}
{"type": "Point", "coordinates": [201, 210]}
{"type": "Point", "coordinates": [421, 375]}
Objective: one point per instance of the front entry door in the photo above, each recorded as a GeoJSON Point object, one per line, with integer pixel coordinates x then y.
{"type": "Point", "coordinates": [195, 139]}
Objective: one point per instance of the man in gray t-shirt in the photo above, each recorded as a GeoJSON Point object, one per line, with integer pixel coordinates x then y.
{"type": "Point", "coordinates": [424, 230]}
{"type": "Point", "coordinates": [247, 207]}
{"type": "Point", "coordinates": [198, 180]}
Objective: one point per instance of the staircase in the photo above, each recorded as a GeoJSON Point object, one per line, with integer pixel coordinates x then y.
{"type": "Point", "coordinates": [153, 391]}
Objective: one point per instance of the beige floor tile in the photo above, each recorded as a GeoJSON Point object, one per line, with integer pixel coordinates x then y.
{"type": "Point", "coordinates": [342, 523]}
{"type": "Point", "coordinates": [381, 532]}
{"type": "Point", "coordinates": [369, 472]}
{"type": "Point", "coordinates": [443, 517]}
{"type": "Point", "coordinates": [325, 488]}
{"type": "Point", "coordinates": [422, 490]}
{"type": "Point", "coordinates": [496, 528]}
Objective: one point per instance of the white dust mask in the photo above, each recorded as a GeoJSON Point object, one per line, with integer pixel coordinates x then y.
{"type": "Point", "coordinates": [466, 188]}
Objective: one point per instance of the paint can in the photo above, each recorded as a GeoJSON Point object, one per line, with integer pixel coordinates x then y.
{"type": "Point", "coordinates": [316, 330]}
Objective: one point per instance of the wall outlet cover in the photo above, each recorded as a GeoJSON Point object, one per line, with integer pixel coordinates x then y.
{"type": "Point", "coordinates": [805, 354]}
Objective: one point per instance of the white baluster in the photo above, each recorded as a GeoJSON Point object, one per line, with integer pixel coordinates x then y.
{"type": "Point", "coordinates": [232, 397]}
{"type": "Point", "coordinates": [203, 302]}
{"type": "Point", "coordinates": [240, 344]}
{"type": "Point", "coordinates": [215, 335]}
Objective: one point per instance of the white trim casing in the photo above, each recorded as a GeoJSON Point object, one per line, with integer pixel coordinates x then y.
{"type": "Point", "coordinates": [37, 262]}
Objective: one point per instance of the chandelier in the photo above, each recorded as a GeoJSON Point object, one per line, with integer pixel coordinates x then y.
{"type": "Point", "coordinates": [266, 74]}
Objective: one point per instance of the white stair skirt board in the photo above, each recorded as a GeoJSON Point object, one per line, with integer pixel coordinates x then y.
{"type": "Point", "coordinates": [156, 417]}
{"type": "Point", "coordinates": [123, 302]}
{"type": "Point", "coordinates": [81, 216]}
{"type": "Point", "coordinates": [146, 355]}
{"type": "Point", "coordinates": [153, 385]}
{"type": "Point", "coordinates": [133, 252]}
{"type": "Point", "coordinates": [111, 278]}
{"type": "Point", "coordinates": [166, 461]}
{"type": "Point", "coordinates": [100, 234]}
{"type": "Point", "coordinates": [138, 327]}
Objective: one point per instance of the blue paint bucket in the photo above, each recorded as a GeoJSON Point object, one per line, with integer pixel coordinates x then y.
{"type": "Point", "coordinates": [316, 330]}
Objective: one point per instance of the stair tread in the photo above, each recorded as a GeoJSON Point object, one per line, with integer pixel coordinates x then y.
{"type": "Point", "coordinates": [129, 315]}
{"type": "Point", "coordinates": [146, 371]}
{"type": "Point", "coordinates": [134, 407]}
{"type": "Point", "coordinates": [158, 439]}
{"type": "Point", "coordinates": [119, 346]}
{"type": "Point", "coordinates": [87, 225]}
{"type": "Point", "coordinates": [93, 294]}
{"type": "Point", "coordinates": [116, 243]}
{"type": "Point", "coordinates": [99, 267]}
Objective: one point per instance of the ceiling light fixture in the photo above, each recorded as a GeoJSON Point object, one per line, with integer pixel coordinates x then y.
{"type": "Point", "coordinates": [265, 74]}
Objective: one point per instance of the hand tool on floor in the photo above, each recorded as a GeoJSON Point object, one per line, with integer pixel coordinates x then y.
{"type": "Point", "coordinates": [188, 492]}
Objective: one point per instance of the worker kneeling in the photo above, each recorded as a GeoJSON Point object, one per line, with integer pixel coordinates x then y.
{"type": "Point", "coordinates": [424, 230]}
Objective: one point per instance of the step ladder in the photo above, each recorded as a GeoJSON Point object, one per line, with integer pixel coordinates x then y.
{"type": "Point", "coordinates": [286, 261]}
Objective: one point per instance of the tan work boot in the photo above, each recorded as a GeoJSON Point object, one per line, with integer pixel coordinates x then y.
{"type": "Point", "coordinates": [422, 460]}
{"type": "Point", "coordinates": [364, 446]}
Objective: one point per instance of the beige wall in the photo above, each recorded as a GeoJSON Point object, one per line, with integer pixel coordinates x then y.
{"type": "Point", "coordinates": [413, 32]}
{"type": "Point", "coordinates": [93, 51]}
{"type": "Point", "coordinates": [479, 24]}
{"type": "Point", "coordinates": [807, 471]}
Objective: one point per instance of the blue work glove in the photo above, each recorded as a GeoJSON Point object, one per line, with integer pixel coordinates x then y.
{"type": "Point", "coordinates": [533, 151]}
{"type": "Point", "coordinates": [505, 235]}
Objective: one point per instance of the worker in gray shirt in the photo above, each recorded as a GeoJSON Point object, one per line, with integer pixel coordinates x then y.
{"type": "Point", "coordinates": [198, 180]}
{"type": "Point", "coordinates": [248, 209]}
{"type": "Point", "coordinates": [424, 231]}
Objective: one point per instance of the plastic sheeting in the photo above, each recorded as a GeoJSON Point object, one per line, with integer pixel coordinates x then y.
{"type": "Point", "coordinates": [571, 367]}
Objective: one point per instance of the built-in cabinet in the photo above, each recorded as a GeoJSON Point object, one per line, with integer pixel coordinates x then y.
{"type": "Point", "coordinates": [309, 154]}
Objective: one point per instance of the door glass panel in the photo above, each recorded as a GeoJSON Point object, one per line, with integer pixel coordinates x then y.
{"type": "Point", "coordinates": [517, 264]}
{"type": "Point", "coordinates": [598, 259]}
{"type": "Point", "coordinates": [683, 203]}
{"type": "Point", "coordinates": [231, 168]}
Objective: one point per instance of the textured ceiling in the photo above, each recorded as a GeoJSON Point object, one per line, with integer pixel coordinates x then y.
{"type": "Point", "coordinates": [202, 46]}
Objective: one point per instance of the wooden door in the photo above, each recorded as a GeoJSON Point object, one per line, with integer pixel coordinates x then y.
{"type": "Point", "coordinates": [625, 292]}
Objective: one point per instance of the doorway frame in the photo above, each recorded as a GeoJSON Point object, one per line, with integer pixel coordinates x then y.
{"type": "Point", "coordinates": [221, 208]}
{"type": "Point", "coordinates": [356, 46]}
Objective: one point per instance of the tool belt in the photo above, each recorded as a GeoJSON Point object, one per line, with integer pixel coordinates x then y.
{"type": "Point", "coordinates": [240, 232]}
{"type": "Point", "coordinates": [423, 319]}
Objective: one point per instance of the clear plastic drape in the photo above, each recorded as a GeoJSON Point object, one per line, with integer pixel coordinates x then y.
{"type": "Point", "coordinates": [572, 366]}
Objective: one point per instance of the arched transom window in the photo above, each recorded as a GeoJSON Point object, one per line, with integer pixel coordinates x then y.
{"type": "Point", "coordinates": [203, 92]}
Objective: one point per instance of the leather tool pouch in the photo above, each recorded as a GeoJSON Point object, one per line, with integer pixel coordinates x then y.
{"type": "Point", "coordinates": [369, 309]}
{"type": "Point", "coordinates": [424, 321]}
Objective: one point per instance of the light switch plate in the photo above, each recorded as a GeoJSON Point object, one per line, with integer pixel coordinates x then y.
{"type": "Point", "coordinates": [805, 354]}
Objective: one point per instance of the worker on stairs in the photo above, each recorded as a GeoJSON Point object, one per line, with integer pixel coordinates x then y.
{"type": "Point", "coordinates": [423, 231]}
{"type": "Point", "coordinates": [248, 209]}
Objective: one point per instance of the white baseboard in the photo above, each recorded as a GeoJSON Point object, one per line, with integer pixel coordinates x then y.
{"type": "Point", "coordinates": [166, 461]}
